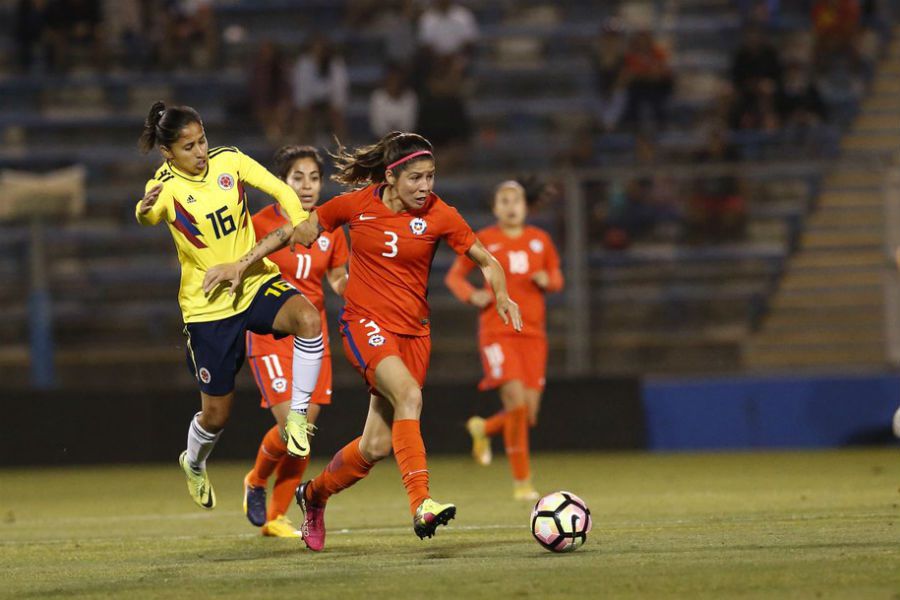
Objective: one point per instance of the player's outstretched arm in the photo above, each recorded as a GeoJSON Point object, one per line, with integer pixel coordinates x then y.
{"type": "Point", "coordinates": [233, 273]}
{"type": "Point", "coordinates": [493, 274]}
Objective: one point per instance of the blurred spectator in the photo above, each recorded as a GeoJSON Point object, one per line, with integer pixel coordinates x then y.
{"type": "Point", "coordinates": [755, 61]}
{"type": "Point", "coordinates": [443, 117]}
{"type": "Point", "coordinates": [30, 28]}
{"type": "Point", "coordinates": [836, 26]}
{"type": "Point", "coordinates": [608, 62]}
{"type": "Point", "coordinates": [73, 27]}
{"type": "Point", "coordinates": [393, 106]}
{"type": "Point", "coordinates": [191, 35]}
{"type": "Point", "coordinates": [321, 88]}
{"type": "Point", "coordinates": [649, 80]}
{"type": "Point", "coordinates": [800, 103]}
{"type": "Point", "coordinates": [757, 109]}
{"type": "Point", "coordinates": [360, 13]}
{"type": "Point", "coordinates": [760, 12]}
{"type": "Point", "coordinates": [647, 206]}
{"type": "Point", "coordinates": [717, 210]}
{"type": "Point", "coordinates": [127, 32]}
{"type": "Point", "coordinates": [756, 73]}
{"type": "Point", "coordinates": [395, 20]}
{"type": "Point", "coordinates": [635, 212]}
{"type": "Point", "coordinates": [446, 28]}
{"type": "Point", "coordinates": [270, 91]}
{"type": "Point", "coordinates": [841, 81]}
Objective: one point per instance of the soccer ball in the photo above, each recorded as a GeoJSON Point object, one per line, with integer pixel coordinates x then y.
{"type": "Point", "coordinates": [560, 522]}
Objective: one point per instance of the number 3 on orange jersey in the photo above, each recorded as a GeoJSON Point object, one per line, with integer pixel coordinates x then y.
{"type": "Point", "coordinates": [391, 243]}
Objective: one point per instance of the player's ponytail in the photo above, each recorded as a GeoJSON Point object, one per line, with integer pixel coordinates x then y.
{"type": "Point", "coordinates": [367, 164]}
{"type": "Point", "coordinates": [163, 125]}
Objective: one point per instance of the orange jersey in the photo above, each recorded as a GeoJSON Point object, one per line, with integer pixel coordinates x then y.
{"type": "Point", "coordinates": [521, 258]}
{"type": "Point", "coordinates": [391, 255]}
{"type": "Point", "coordinates": [304, 268]}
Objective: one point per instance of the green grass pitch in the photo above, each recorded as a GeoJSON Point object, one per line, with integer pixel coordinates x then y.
{"type": "Point", "coordinates": [764, 525]}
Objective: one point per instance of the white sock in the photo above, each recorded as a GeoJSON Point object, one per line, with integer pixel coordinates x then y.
{"type": "Point", "coordinates": [199, 444]}
{"type": "Point", "coordinates": [307, 362]}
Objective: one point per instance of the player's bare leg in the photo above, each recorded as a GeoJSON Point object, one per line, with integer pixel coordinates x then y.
{"type": "Point", "coordinates": [533, 402]}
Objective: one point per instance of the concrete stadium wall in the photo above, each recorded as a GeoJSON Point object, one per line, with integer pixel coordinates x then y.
{"type": "Point", "coordinates": [71, 427]}
{"type": "Point", "coordinates": [809, 411]}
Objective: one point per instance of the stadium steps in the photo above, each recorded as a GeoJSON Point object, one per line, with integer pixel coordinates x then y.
{"type": "Point", "coordinates": [863, 217]}
{"type": "Point", "coordinates": [865, 298]}
{"type": "Point", "coordinates": [779, 356]}
{"type": "Point", "coordinates": [823, 318]}
{"type": "Point", "coordinates": [870, 334]}
{"type": "Point", "coordinates": [842, 198]}
{"type": "Point", "coordinates": [818, 239]}
{"type": "Point", "coordinates": [829, 306]}
{"type": "Point", "coordinates": [877, 122]}
{"type": "Point", "coordinates": [853, 179]}
{"type": "Point", "coordinates": [850, 259]}
{"type": "Point", "coordinates": [797, 281]}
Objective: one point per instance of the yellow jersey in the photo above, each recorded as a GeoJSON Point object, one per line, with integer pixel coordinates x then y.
{"type": "Point", "coordinates": [210, 223]}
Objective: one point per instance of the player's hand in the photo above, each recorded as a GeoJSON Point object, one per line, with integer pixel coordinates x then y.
{"type": "Point", "coordinates": [541, 279]}
{"type": "Point", "coordinates": [509, 312]}
{"type": "Point", "coordinates": [304, 234]}
{"type": "Point", "coordinates": [227, 273]}
{"type": "Point", "coordinates": [150, 199]}
{"type": "Point", "coordinates": [481, 298]}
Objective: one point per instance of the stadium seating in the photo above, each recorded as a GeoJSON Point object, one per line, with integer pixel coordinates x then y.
{"type": "Point", "coordinates": [655, 307]}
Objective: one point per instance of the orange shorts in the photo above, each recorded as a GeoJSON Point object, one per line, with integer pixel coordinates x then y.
{"type": "Point", "coordinates": [273, 374]}
{"type": "Point", "coordinates": [366, 344]}
{"type": "Point", "coordinates": [513, 357]}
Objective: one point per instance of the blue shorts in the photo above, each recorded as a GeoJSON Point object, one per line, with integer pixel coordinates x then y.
{"type": "Point", "coordinates": [216, 350]}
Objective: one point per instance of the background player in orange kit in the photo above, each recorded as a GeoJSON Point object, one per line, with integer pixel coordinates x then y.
{"type": "Point", "coordinates": [514, 363]}
{"type": "Point", "coordinates": [395, 222]}
{"type": "Point", "coordinates": [270, 359]}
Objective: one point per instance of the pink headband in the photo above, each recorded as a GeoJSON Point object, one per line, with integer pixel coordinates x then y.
{"type": "Point", "coordinates": [407, 157]}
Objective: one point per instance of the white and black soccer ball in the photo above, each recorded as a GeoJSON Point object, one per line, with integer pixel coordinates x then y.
{"type": "Point", "coordinates": [560, 522]}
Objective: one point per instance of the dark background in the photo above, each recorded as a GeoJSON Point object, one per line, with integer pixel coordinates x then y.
{"type": "Point", "coordinates": [72, 427]}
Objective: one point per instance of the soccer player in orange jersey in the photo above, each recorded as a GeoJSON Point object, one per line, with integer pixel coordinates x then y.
{"type": "Point", "coordinates": [396, 222]}
{"type": "Point", "coordinates": [516, 364]}
{"type": "Point", "coordinates": [270, 358]}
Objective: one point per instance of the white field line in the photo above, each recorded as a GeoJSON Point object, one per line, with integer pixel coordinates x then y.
{"type": "Point", "coordinates": [369, 530]}
{"type": "Point", "coordinates": [609, 526]}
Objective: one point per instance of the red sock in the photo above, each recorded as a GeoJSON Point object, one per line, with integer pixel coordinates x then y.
{"type": "Point", "coordinates": [288, 477]}
{"type": "Point", "coordinates": [346, 468]}
{"type": "Point", "coordinates": [271, 451]}
{"type": "Point", "coordinates": [493, 425]}
{"type": "Point", "coordinates": [409, 451]}
{"type": "Point", "coordinates": [515, 437]}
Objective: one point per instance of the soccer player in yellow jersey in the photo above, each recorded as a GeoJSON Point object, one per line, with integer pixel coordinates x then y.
{"type": "Point", "coordinates": [199, 194]}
